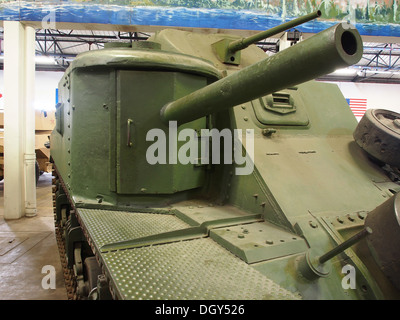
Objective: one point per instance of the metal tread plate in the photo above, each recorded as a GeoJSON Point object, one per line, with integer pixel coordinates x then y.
{"type": "Point", "coordinates": [108, 226]}
{"type": "Point", "coordinates": [195, 269]}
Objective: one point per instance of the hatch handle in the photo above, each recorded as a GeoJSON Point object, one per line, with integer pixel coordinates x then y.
{"type": "Point", "coordinates": [129, 143]}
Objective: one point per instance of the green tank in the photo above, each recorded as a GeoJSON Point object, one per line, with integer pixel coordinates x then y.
{"type": "Point", "coordinates": [193, 166]}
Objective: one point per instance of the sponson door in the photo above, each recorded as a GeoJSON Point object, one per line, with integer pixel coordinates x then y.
{"type": "Point", "coordinates": [144, 161]}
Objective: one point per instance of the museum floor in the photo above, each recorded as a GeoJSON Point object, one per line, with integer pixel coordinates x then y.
{"type": "Point", "coordinates": [28, 247]}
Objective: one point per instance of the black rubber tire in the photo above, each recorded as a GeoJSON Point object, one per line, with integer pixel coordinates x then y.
{"type": "Point", "coordinates": [378, 133]}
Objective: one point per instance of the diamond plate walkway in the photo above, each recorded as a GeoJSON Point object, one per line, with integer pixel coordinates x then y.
{"type": "Point", "coordinates": [196, 269]}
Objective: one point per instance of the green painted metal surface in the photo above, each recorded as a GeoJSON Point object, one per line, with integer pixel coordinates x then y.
{"type": "Point", "coordinates": [136, 101]}
{"type": "Point", "coordinates": [290, 67]}
{"type": "Point", "coordinates": [197, 269]}
{"type": "Point", "coordinates": [162, 229]}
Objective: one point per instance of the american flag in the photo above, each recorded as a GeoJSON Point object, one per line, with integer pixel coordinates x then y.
{"type": "Point", "coordinates": [358, 106]}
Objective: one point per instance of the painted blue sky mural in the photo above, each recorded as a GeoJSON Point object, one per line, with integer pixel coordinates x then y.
{"type": "Point", "coordinates": [371, 17]}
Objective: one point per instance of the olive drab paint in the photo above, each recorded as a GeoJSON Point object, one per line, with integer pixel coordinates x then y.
{"type": "Point", "coordinates": [226, 176]}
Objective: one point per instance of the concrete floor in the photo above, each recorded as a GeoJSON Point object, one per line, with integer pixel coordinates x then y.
{"type": "Point", "coordinates": [26, 246]}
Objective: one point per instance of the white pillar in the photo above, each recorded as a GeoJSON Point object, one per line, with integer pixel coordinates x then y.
{"type": "Point", "coordinates": [18, 109]}
{"type": "Point", "coordinates": [29, 152]}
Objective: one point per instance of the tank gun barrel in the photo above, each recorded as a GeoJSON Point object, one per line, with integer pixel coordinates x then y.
{"type": "Point", "coordinates": [337, 47]}
{"type": "Point", "coordinates": [245, 42]}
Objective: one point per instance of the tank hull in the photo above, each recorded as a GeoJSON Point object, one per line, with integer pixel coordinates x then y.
{"type": "Point", "coordinates": [163, 229]}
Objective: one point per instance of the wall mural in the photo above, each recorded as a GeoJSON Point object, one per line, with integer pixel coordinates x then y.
{"type": "Point", "coordinates": [371, 17]}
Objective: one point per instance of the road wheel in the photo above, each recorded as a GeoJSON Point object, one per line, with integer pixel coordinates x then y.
{"type": "Point", "coordinates": [378, 133]}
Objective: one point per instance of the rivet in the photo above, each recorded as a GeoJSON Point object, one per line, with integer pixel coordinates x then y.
{"type": "Point", "coordinates": [340, 220]}
{"type": "Point", "coordinates": [361, 215]}
{"type": "Point", "coordinates": [269, 242]}
{"type": "Point", "coordinates": [240, 236]}
{"type": "Point", "coordinates": [245, 118]}
{"type": "Point", "coordinates": [313, 224]}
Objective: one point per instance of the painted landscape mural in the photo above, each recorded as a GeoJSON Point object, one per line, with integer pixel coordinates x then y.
{"type": "Point", "coordinates": [371, 17]}
{"type": "Point", "coordinates": [361, 10]}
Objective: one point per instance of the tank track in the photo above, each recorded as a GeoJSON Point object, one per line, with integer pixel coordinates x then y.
{"type": "Point", "coordinates": [69, 277]}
